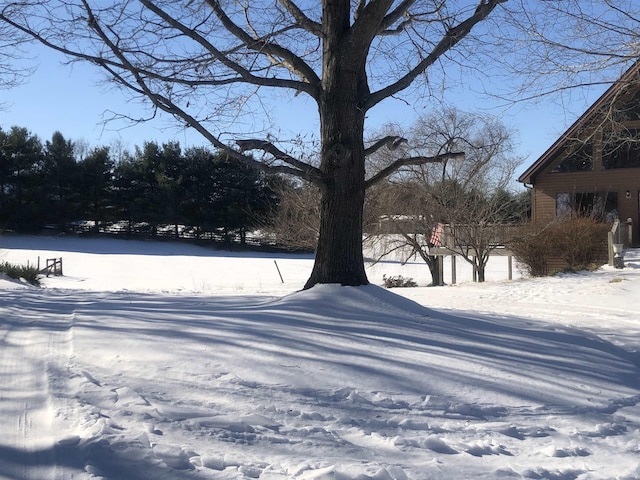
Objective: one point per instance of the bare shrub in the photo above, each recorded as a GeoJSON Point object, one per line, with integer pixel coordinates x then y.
{"type": "Point", "coordinates": [532, 251]}
{"type": "Point", "coordinates": [397, 281]}
{"type": "Point", "coordinates": [578, 243]}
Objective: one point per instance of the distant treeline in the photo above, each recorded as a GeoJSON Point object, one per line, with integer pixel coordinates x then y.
{"type": "Point", "coordinates": [157, 189]}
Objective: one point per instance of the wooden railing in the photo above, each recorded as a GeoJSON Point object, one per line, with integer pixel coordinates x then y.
{"type": "Point", "coordinates": [621, 233]}
{"type": "Point", "coordinates": [53, 267]}
{"type": "Point", "coordinates": [494, 235]}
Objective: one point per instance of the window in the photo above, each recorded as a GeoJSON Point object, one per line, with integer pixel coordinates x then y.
{"type": "Point", "coordinates": [623, 151]}
{"type": "Point", "coordinates": [599, 206]}
{"type": "Point", "coordinates": [579, 158]}
{"type": "Point", "coordinates": [629, 111]}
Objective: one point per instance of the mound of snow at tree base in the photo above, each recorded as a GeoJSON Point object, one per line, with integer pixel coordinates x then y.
{"type": "Point", "coordinates": [334, 382]}
{"type": "Point", "coordinates": [467, 360]}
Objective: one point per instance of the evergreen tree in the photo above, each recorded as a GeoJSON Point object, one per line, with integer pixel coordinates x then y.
{"type": "Point", "coordinates": [96, 185]}
{"type": "Point", "coordinates": [59, 180]}
{"type": "Point", "coordinates": [21, 155]}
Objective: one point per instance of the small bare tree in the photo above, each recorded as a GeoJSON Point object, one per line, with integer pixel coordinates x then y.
{"type": "Point", "coordinates": [296, 222]}
{"type": "Point", "coordinates": [459, 205]}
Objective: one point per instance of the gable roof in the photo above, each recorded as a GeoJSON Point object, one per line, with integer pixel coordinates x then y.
{"type": "Point", "coordinates": [605, 98]}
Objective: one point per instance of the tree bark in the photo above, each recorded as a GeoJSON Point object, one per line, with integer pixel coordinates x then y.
{"type": "Point", "coordinates": [339, 258]}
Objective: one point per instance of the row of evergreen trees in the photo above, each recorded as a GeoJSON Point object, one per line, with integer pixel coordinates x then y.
{"type": "Point", "coordinates": [52, 185]}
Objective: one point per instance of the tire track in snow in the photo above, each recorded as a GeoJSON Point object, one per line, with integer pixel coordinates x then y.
{"type": "Point", "coordinates": [35, 343]}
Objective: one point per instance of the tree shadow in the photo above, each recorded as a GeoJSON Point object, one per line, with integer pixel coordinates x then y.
{"type": "Point", "coordinates": [119, 246]}
{"type": "Point", "coordinates": [96, 457]}
{"type": "Point", "coordinates": [388, 342]}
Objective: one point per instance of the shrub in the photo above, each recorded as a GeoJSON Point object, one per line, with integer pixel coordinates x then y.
{"type": "Point", "coordinates": [398, 281]}
{"type": "Point", "coordinates": [532, 252]}
{"type": "Point", "coordinates": [578, 244]}
{"type": "Point", "coordinates": [29, 274]}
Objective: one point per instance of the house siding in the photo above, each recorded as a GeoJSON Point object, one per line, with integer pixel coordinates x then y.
{"type": "Point", "coordinates": [620, 181]}
{"type": "Point", "coordinates": [620, 103]}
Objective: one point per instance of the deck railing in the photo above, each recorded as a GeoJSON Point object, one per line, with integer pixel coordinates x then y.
{"type": "Point", "coordinates": [621, 233]}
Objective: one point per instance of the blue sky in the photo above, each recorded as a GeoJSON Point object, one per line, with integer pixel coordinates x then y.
{"type": "Point", "coordinates": [73, 100]}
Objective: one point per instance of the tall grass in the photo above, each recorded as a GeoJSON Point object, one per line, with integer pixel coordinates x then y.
{"type": "Point", "coordinates": [28, 273]}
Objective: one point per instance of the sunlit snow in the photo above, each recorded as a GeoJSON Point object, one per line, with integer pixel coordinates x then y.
{"type": "Point", "coordinates": [159, 360]}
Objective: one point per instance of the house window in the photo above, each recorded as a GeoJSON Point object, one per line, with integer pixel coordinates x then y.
{"type": "Point", "coordinates": [629, 111]}
{"type": "Point", "coordinates": [622, 152]}
{"type": "Point", "coordinates": [599, 206]}
{"type": "Point", "coordinates": [579, 158]}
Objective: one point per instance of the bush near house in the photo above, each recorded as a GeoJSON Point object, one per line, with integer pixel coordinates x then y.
{"type": "Point", "coordinates": [575, 244]}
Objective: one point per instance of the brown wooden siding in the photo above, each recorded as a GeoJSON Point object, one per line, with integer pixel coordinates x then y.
{"type": "Point", "coordinates": [548, 184]}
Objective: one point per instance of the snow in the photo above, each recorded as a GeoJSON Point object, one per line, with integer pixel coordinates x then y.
{"type": "Point", "coordinates": [159, 360]}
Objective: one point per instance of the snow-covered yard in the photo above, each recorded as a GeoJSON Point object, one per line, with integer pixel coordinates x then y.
{"type": "Point", "coordinates": [170, 361]}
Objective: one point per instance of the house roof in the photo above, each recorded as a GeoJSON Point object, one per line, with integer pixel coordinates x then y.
{"type": "Point", "coordinates": [537, 166]}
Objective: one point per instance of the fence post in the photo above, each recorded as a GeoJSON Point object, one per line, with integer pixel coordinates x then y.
{"type": "Point", "coordinates": [453, 269]}
{"type": "Point", "coordinates": [440, 260]}
{"type": "Point", "coordinates": [610, 246]}
{"type": "Point", "coordinates": [279, 274]}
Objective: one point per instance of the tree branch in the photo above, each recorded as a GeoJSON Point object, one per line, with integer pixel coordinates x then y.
{"type": "Point", "coordinates": [291, 61]}
{"type": "Point", "coordinates": [451, 38]}
{"type": "Point", "coordinates": [304, 21]}
{"type": "Point", "coordinates": [396, 14]}
{"type": "Point", "coordinates": [300, 169]}
{"type": "Point", "coordinates": [391, 141]}
{"type": "Point", "coordinates": [294, 63]}
{"type": "Point", "coordinates": [403, 162]}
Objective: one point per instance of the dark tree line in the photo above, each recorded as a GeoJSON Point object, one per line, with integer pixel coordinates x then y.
{"type": "Point", "coordinates": [195, 192]}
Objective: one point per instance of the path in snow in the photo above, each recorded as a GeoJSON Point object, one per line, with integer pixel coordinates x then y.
{"type": "Point", "coordinates": [35, 343]}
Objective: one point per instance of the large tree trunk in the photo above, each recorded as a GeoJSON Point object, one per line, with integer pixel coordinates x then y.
{"type": "Point", "coordinates": [339, 257]}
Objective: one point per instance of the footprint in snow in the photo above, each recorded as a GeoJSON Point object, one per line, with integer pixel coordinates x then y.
{"type": "Point", "coordinates": [439, 446]}
{"type": "Point", "coordinates": [607, 430]}
{"type": "Point", "coordinates": [522, 433]}
{"type": "Point", "coordinates": [554, 451]}
{"type": "Point", "coordinates": [481, 449]}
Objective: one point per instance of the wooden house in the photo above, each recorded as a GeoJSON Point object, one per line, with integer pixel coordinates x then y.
{"type": "Point", "coordinates": [594, 167]}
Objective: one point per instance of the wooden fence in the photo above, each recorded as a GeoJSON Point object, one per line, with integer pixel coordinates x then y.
{"type": "Point", "coordinates": [52, 267]}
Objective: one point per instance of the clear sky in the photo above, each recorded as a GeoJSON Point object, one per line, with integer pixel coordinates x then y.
{"type": "Point", "coordinates": [72, 100]}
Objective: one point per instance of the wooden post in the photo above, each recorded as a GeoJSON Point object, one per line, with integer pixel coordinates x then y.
{"type": "Point", "coordinates": [278, 268]}
{"type": "Point", "coordinates": [610, 243]}
{"type": "Point", "coordinates": [440, 269]}
{"type": "Point", "coordinates": [453, 269]}
{"type": "Point", "coordinates": [510, 260]}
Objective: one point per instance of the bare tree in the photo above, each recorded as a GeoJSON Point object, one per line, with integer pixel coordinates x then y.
{"type": "Point", "coordinates": [459, 205]}
{"type": "Point", "coordinates": [207, 61]}
{"type": "Point", "coordinates": [564, 45]}
{"type": "Point", "coordinates": [210, 64]}
{"type": "Point", "coordinates": [296, 222]}
{"type": "Point", "coordinates": [13, 69]}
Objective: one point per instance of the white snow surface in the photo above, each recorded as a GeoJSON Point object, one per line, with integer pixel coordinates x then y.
{"type": "Point", "coordinates": [161, 360]}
